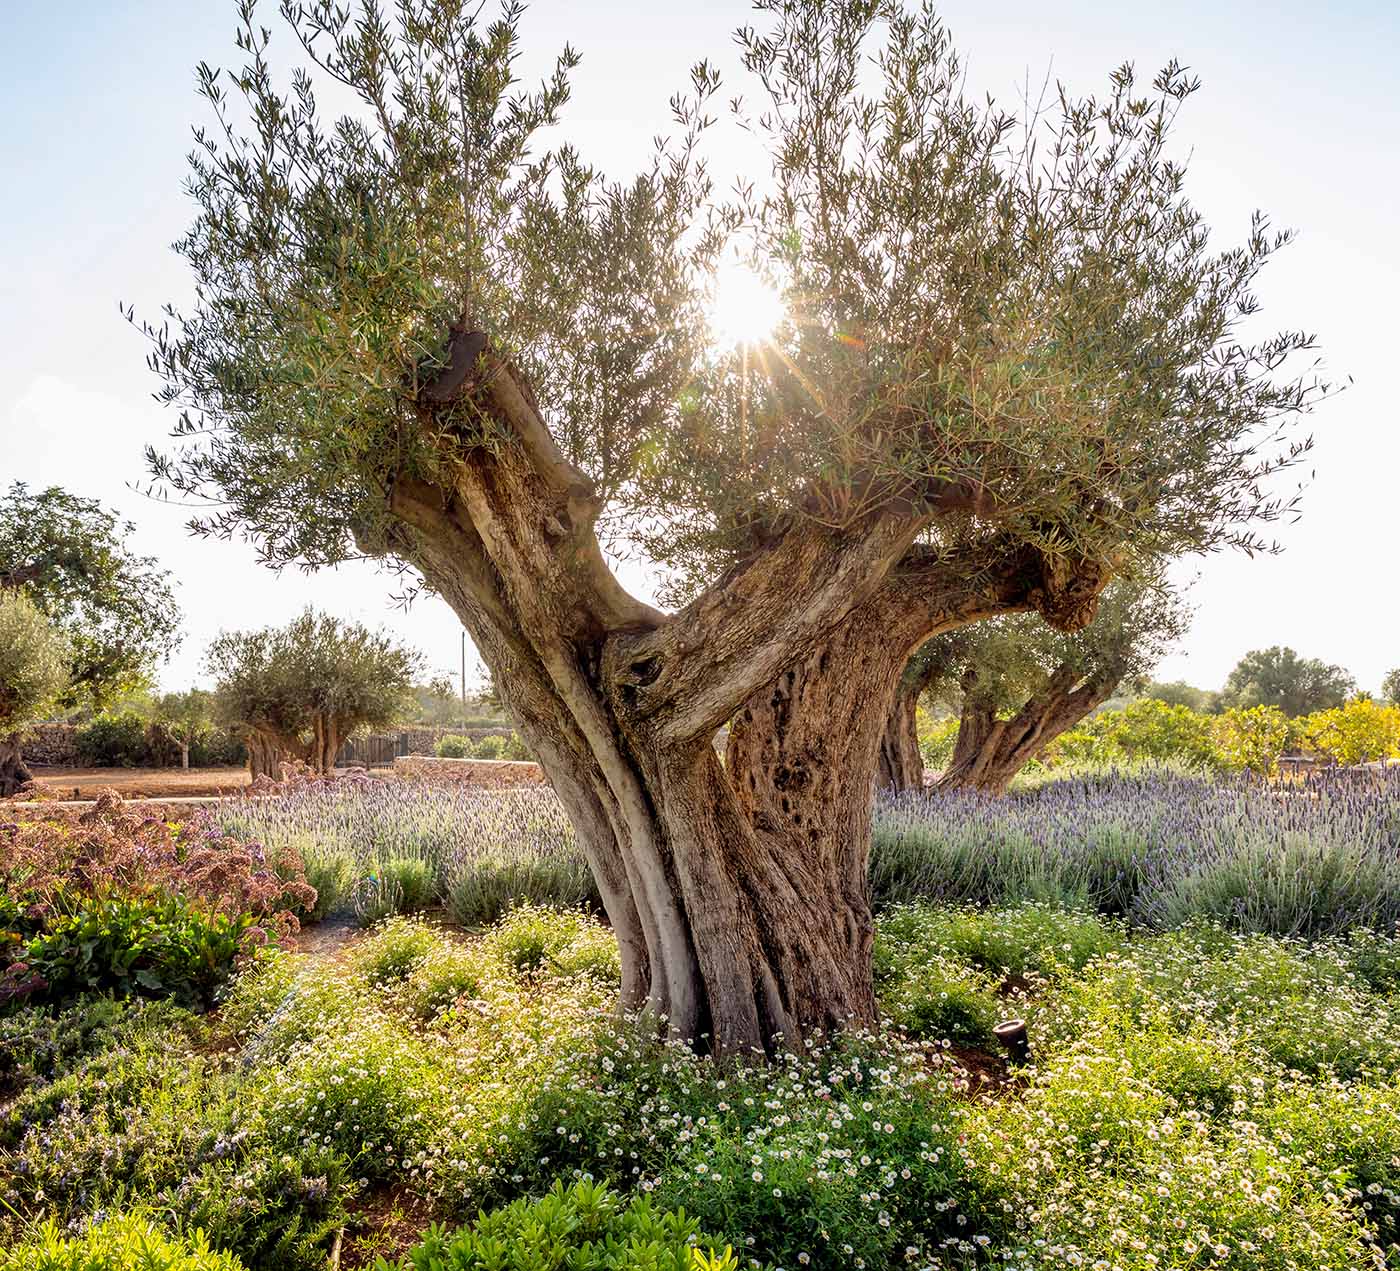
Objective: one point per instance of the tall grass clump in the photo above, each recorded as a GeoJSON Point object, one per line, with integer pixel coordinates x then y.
{"type": "Point", "coordinates": [1158, 848]}
{"type": "Point", "coordinates": [377, 847]}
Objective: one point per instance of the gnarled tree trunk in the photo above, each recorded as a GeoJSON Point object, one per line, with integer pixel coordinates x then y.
{"type": "Point", "coordinates": [901, 762]}
{"type": "Point", "coordinates": [737, 895]}
{"type": "Point", "coordinates": [14, 772]}
{"type": "Point", "coordinates": [266, 756]}
{"type": "Point", "coordinates": [989, 751]}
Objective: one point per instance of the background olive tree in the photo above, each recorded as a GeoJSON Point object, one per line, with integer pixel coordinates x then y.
{"type": "Point", "coordinates": [1011, 366]}
{"type": "Point", "coordinates": [1390, 687]}
{"type": "Point", "coordinates": [34, 660]}
{"type": "Point", "coordinates": [297, 692]}
{"type": "Point", "coordinates": [180, 717]}
{"type": "Point", "coordinates": [1016, 684]}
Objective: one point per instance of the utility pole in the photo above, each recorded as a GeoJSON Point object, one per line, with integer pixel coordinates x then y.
{"type": "Point", "coordinates": [464, 675]}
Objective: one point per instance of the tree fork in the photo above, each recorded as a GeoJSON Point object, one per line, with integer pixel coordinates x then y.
{"type": "Point", "coordinates": [745, 924]}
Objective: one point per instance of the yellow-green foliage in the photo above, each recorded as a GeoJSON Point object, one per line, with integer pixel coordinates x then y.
{"type": "Point", "coordinates": [1146, 730]}
{"type": "Point", "coordinates": [1237, 740]}
{"type": "Point", "coordinates": [1250, 739]}
{"type": "Point", "coordinates": [936, 738]}
{"type": "Point", "coordinates": [1361, 731]}
{"type": "Point", "coordinates": [119, 1244]}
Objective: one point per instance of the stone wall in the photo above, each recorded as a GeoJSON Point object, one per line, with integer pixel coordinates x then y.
{"type": "Point", "coordinates": [52, 745]}
{"type": "Point", "coordinates": [498, 773]}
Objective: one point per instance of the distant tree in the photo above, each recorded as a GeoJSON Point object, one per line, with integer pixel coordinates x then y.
{"type": "Point", "coordinates": [1019, 684]}
{"type": "Point", "coordinates": [1277, 676]}
{"type": "Point", "coordinates": [181, 717]}
{"type": "Point", "coordinates": [1390, 687]}
{"type": "Point", "coordinates": [437, 701]}
{"type": "Point", "coordinates": [34, 662]}
{"type": "Point", "coordinates": [114, 609]}
{"type": "Point", "coordinates": [297, 692]}
{"type": "Point", "coordinates": [1179, 693]}
{"type": "Point", "coordinates": [998, 361]}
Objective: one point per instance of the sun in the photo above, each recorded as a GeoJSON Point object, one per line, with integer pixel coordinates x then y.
{"type": "Point", "coordinates": [744, 309]}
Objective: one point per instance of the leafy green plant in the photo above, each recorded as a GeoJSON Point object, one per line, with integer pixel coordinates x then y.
{"type": "Point", "coordinates": [453, 746]}
{"type": "Point", "coordinates": [415, 879]}
{"type": "Point", "coordinates": [164, 946]}
{"type": "Point", "coordinates": [127, 1243]}
{"type": "Point", "coordinates": [940, 999]}
{"type": "Point", "coordinates": [491, 747]}
{"type": "Point", "coordinates": [332, 874]}
{"type": "Point", "coordinates": [585, 1227]}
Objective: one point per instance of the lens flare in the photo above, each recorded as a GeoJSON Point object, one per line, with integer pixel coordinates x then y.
{"type": "Point", "coordinates": [744, 309]}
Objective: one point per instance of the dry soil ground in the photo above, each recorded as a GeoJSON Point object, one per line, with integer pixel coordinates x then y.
{"type": "Point", "coordinates": [141, 783]}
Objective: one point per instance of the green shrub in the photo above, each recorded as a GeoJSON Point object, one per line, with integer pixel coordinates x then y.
{"type": "Point", "coordinates": [515, 748]}
{"type": "Point", "coordinates": [479, 890]}
{"type": "Point", "coordinates": [332, 874]}
{"type": "Point", "coordinates": [1375, 959]}
{"type": "Point", "coordinates": [277, 1211]}
{"type": "Point", "coordinates": [45, 1041]}
{"type": "Point", "coordinates": [217, 748]}
{"type": "Point", "coordinates": [415, 879]}
{"type": "Point", "coordinates": [393, 950]}
{"type": "Point", "coordinates": [1292, 885]}
{"type": "Point", "coordinates": [447, 972]}
{"type": "Point", "coordinates": [114, 741]}
{"type": "Point", "coordinates": [453, 746]}
{"type": "Point", "coordinates": [532, 939]}
{"type": "Point", "coordinates": [129, 1243]}
{"type": "Point", "coordinates": [939, 999]}
{"type": "Point", "coordinates": [154, 946]}
{"type": "Point", "coordinates": [581, 1228]}
{"type": "Point", "coordinates": [491, 747]}
{"type": "Point", "coordinates": [1021, 940]}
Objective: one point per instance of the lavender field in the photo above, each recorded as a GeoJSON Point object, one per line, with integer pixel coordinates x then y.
{"type": "Point", "coordinates": [1156, 848]}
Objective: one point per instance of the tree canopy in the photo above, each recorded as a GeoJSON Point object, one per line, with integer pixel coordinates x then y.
{"type": "Point", "coordinates": [1011, 365]}
{"type": "Point", "coordinates": [116, 609]}
{"type": "Point", "coordinates": [977, 304]}
{"type": "Point", "coordinates": [297, 692]}
{"type": "Point", "coordinates": [1390, 687]}
{"type": "Point", "coordinates": [1179, 693]}
{"type": "Point", "coordinates": [1277, 676]}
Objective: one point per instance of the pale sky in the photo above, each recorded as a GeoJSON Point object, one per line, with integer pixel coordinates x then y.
{"type": "Point", "coordinates": [1299, 116]}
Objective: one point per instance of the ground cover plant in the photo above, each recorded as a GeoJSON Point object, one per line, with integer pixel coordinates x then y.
{"type": "Point", "coordinates": [1199, 1097]}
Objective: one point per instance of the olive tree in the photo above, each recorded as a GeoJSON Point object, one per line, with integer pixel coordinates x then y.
{"type": "Point", "coordinates": [297, 692]}
{"type": "Point", "coordinates": [33, 674]}
{"type": "Point", "coordinates": [181, 717]}
{"type": "Point", "coordinates": [1017, 684]}
{"type": "Point", "coordinates": [1009, 365]}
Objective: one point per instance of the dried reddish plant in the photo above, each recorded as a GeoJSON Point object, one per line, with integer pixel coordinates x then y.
{"type": "Point", "coordinates": [57, 861]}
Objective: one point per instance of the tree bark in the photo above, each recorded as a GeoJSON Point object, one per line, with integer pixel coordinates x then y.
{"type": "Point", "coordinates": [989, 752]}
{"type": "Point", "coordinates": [266, 756]}
{"type": "Point", "coordinates": [901, 762]}
{"type": "Point", "coordinates": [738, 896]}
{"type": "Point", "coordinates": [14, 772]}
